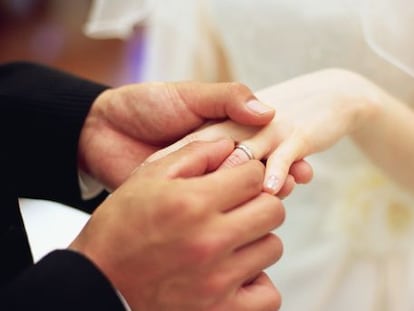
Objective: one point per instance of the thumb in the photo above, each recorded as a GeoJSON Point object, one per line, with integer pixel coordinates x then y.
{"type": "Point", "coordinates": [194, 159]}
{"type": "Point", "coordinates": [225, 100]}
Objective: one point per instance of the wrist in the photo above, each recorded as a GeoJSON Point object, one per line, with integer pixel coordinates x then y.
{"type": "Point", "coordinates": [369, 106]}
{"type": "Point", "coordinates": [363, 99]}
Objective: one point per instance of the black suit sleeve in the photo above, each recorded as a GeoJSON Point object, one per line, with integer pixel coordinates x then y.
{"type": "Point", "coordinates": [64, 281]}
{"type": "Point", "coordinates": [42, 112]}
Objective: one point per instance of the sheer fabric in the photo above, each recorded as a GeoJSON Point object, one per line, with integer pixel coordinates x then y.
{"type": "Point", "coordinates": [388, 26]}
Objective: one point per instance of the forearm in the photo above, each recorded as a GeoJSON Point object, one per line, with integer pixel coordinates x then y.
{"type": "Point", "coordinates": [387, 138]}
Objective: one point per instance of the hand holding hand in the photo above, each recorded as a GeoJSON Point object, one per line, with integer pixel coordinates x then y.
{"type": "Point", "coordinates": [178, 236]}
{"type": "Point", "coordinates": [312, 113]}
{"type": "Point", "coordinates": [127, 124]}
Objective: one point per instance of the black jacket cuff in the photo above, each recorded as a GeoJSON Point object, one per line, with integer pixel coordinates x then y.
{"type": "Point", "coordinates": [63, 280]}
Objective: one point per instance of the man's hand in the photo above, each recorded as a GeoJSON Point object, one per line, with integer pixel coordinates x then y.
{"type": "Point", "coordinates": [127, 124]}
{"type": "Point", "coordinates": [179, 235]}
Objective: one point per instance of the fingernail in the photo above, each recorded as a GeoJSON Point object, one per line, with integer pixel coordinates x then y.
{"type": "Point", "coordinates": [258, 107]}
{"type": "Point", "coordinates": [271, 183]}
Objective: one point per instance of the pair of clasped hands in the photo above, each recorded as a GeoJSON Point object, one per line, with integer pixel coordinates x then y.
{"type": "Point", "coordinates": [189, 223]}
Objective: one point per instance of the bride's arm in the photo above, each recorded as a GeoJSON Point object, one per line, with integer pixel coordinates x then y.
{"type": "Point", "coordinates": [388, 138]}
{"type": "Point", "coordinates": [313, 112]}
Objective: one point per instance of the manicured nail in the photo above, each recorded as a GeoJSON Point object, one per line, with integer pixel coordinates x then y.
{"type": "Point", "coordinates": [271, 183]}
{"type": "Point", "coordinates": [258, 107]}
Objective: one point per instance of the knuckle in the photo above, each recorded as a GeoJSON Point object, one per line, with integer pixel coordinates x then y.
{"type": "Point", "coordinates": [216, 286]}
{"type": "Point", "coordinates": [238, 89]}
{"type": "Point", "coordinates": [259, 169]}
{"type": "Point", "coordinates": [275, 301]}
{"type": "Point", "coordinates": [185, 206]}
{"type": "Point", "coordinates": [234, 160]}
{"type": "Point", "coordinates": [204, 249]}
{"type": "Point", "coordinates": [194, 143]}
{"type": "Point", "coordinates": [275, 210]}
{"type": "Point", "coordinates": [255, 171]}
{"type": "Point", "coordinates": [301, 140]}
{"type": "Point", "coordinates": [172, 92]}
{"type": "Point", "coordinates": [276, 245]}
{"type": "Point", "coordinates": [279, 213]}
{"type": "Point", "coordinates": [188, 206]}
{"type": "Point", "coordinates": [270, 298]}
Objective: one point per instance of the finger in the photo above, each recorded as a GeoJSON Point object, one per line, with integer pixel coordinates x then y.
{"type": "Point", "coordinates": [302, 172]}
{"type": "Point", "coordinates": [247, 263]}
{"type": "Point", "coordinates": [262, 279]}
{"type": "Point", "coordinates": [254, 219]}
{"type": "Point", "coordinates": [237, 157]}
{"type": "Point", "coordinates": [225, 100]}
{"type": "Point", "coordinates": [194, 159]}
{"type": "Point", "coordinates": [230, 188]}
{"type": "Point", "coordinates": [287, 187]}
{"type": "Point", "coordinates": [167, 150]}
{"type": "Point", "coordinates": [278, 165]}
{"type": "Point", "coordinates": [260, 294]}
{"type": "Point", "coordinates": [209, 132]}
{"type": "Point", "coordinates": [258, 146]}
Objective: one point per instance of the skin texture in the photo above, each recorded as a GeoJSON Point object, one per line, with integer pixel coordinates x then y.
{"type": "Point", "coordinates": [314, 111]}
{"type": "Point", "coordinates": [171, 238]}
{"type": "Point", "coordinates": [150, 218]}
{"type": "Point", "coordinates": [125, 125]}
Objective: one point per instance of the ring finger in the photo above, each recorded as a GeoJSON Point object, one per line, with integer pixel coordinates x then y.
{"type": "Point", "coordinates": [210, 132]}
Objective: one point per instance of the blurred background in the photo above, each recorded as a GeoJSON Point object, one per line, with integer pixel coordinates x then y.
{"type": "Point", "coordinates": [51, 32]}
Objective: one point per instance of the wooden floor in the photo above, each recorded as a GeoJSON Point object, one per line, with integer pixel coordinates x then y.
{"type": "Point", "coordinates": [50, 32]}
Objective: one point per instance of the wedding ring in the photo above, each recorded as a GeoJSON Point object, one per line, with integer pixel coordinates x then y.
{"type": "Point", "coordinates": [246, 150]}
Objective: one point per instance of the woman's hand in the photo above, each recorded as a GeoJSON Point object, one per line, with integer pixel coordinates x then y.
{"type": "Point", "coordinates": [312, 113]}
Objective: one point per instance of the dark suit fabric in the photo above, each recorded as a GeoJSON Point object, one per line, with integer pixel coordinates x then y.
{"type": "Point", "coordinates": [42, 111]}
